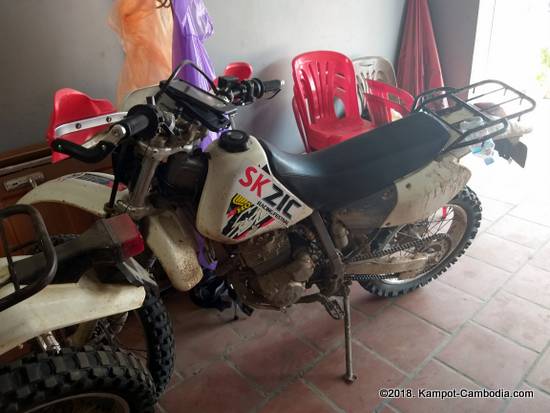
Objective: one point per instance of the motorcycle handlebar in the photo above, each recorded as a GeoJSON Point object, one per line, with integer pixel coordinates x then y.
{"type": "Point", "coordinates": [134, 124]}
{"type": "Point", "coordinates": [141, 118]}
{"type": "Point", "coordinates": [89, 155]}
{"type": "Point", "coordinates": [245, 91]}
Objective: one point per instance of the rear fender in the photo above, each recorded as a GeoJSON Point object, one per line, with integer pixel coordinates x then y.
{"type": "Point", "coordinates": [168, 235]}
{"type": "Point", "coordinates": [62, 305]}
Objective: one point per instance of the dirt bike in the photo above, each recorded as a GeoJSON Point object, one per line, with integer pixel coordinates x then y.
{"type": "Point", "coordinates": [62, 309]}
{"type": "Point", "coordinates": [389, 208]}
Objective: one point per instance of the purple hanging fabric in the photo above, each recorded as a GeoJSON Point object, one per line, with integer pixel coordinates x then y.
{"type": "Point", "coordinates": [192, 25]}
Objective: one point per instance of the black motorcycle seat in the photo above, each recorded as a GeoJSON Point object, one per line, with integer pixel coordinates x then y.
{"type": "Point", "coordinates": [341, 174]}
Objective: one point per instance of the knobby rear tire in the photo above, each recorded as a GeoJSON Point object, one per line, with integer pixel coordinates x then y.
{"type": "Point", "coordinates": [469, 201]}
{"type": "Point", "coordinates": [41, 378]}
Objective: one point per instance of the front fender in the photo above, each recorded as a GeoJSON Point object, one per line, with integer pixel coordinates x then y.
{"type": "Point", "coordinates": [168, 235]}
{"type": "Point", "coordinates": [172, 240]}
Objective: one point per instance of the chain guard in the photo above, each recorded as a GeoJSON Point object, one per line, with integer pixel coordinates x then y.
{"type": "Point", "coordinates": [378, 254]}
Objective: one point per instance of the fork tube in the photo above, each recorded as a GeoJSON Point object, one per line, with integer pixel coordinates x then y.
{"type": "Point", "coordinates": [146, 174]}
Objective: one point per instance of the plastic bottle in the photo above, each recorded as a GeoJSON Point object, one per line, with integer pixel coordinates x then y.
{"type": "Point", "coordinates": [484, 150]}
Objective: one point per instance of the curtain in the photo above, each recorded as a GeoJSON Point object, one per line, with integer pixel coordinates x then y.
{"type": "Point", "coordinates": [418, 67]}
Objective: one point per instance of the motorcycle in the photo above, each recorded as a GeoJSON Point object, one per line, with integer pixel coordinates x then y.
{"type": "Point", "coordinates": [389, 209]}
{"type": "Point", "coordinates": [62, 311]}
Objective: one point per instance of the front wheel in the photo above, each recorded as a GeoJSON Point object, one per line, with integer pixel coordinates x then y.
{"type": "Point", "coordinates": [458, 221]}
{"type": "Point", "coordinates": [77, 380]}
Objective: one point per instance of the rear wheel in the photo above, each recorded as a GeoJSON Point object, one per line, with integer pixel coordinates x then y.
{"type": "Point", "coordinates": [458, 222]}
{"type": "Point", "coordinates": [91, 380]}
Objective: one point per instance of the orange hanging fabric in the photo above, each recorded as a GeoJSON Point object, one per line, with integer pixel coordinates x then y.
{"type": "Point", "coordinates": [145, 31]}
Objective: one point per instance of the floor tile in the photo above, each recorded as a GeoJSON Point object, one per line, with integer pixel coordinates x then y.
{"type": "Point", "coordinates": [444, 306]}
{"type": "Point", "coordinates": [540, 375]}
{"type": "Point", "coordinates": [540, 403]}
{"type": "Point", "coordinates": [274, 357]}
{"type": "Point", "coordinates": [535, 211]}
{"type": "Point", "coordinates": [365, 302]}
{"type": "Point", "coordinates": [493, 209]}
{"type": "Point", "coordinates": [542, 258]}
{"type": "Point", "coordinates": [297, 398]}
{"type": "Point", "coordinates": [312, 322]}
{"type": "Point", "coordinates": [487, 358]}
{"type": "Point", "coordinates": [362, 396]}
{"type": "Point", "coordinates": [201, 337]}
{"type": "Point", "coordinates": [518, 319]}
{"type": "Point", "coordinates": [211, 391]}
{"type": "Point", "coordinates": [438, 376]}
{"type": "Point", "coordinates": [531, 283]}
{"type": "Point", "coordinates": [475, 277]}
{"type": "Point", "coordinates": [523, 232]}
{"type": "Point", "coordinates": [499, 252]}
{"type": "Point", "coordinates": [484, 225]}
{"type": "Point", "coordinates": [252, 326]}
{"type": "Point", "coordinates": [400, 337]}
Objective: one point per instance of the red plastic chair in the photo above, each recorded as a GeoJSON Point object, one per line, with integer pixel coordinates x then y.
{"type": "Point", "coordinates": [381, 99]}
{"type": "Point", "coordinates": [320, 79]}
{"type": "Point", "coordinates": [69, 106]}
{"type": "Point", "coordinates": [240, 70]}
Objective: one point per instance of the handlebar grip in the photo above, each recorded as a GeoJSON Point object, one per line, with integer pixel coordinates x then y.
{"type": "Point", "coordinates": [89, 155]}
{"type": "Point", "coordinates": [134, 124]}
{"type": "Point", "coordinates": [272, 85]}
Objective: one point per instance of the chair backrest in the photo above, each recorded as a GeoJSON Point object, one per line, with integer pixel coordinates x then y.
{"type": "Point", "coordinates": [382, 101]}
{"type": "Point", "coordinates": [71, 105]}
{"type": "Point", "coordinates": [390, 92]}
{"type": "Point", "coordinates": [382, 110]}
{"type": "Point", "coordinates": [300, 124]}
{"type": "Point", "coordinates": [321, 79]}
{"type": "Point", "coordinates": [376, 68]}
{"type": "Point", "coordinates": [240, 70]}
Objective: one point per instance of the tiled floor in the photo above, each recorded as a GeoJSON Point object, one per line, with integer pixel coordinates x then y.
{"type": "Point", "coordinates": [484, 324]}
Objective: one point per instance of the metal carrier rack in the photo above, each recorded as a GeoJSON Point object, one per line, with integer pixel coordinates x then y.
{"type": "Point", "coordinates": [9, 278]}
{"type": "Point", "coordinates": [492, 100]}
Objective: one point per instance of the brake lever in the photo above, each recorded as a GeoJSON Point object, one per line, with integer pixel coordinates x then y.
{"type": "Point", "coordinates": [113, 135]}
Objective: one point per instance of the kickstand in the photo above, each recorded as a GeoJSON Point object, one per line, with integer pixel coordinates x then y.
{"type": "Point", "coordinates": [349, 377]}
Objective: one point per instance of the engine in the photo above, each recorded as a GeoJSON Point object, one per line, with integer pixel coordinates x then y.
{"type": "Point", "coordinates": [277, 271]}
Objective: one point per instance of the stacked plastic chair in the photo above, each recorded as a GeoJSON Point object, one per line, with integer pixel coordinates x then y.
{"type": "Point", "coordinates": [323, 81]}
{"type": "Point", "coordinates": [385, 103]}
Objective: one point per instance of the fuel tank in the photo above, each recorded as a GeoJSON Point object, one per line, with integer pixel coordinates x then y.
{"type": "Point", "coordinates": [241, 198]}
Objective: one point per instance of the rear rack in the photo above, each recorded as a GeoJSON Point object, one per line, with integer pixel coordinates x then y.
{"type": "Point", "coordinates": [8, 274]}
{"type": "Point", "coordinates": [493, 101]}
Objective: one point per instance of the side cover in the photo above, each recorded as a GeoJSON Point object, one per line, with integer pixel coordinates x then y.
{"type": "Point", "coordinates": [170, 239]}
{"type": "Point", "coordinates": [241, 198]}
{"type": "Point", "coordinates": [421, 193]}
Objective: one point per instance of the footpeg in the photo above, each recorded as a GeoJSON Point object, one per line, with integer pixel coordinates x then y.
{"type": "Point", "coordinates": [333, 307]}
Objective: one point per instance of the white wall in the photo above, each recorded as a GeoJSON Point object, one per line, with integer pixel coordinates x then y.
{"type": "Point", "coordinates": [268, 34]}
{"type": "Point", "coordinates": [47, 45]}
{"type": "Point", "coordinates": [51, 44]}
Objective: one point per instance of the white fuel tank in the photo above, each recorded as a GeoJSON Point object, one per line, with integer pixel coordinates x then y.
{"type": "Point", "coordinates": [241, 199]}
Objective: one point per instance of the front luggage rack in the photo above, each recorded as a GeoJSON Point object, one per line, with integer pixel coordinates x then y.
{"type": "Point", "coordinates": [493, 101]}
{"type": "Point", "coordinates": [9, 278]}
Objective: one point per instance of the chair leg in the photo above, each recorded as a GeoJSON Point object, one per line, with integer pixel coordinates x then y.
{"type": "Point", "coordinates": [349, 377]}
